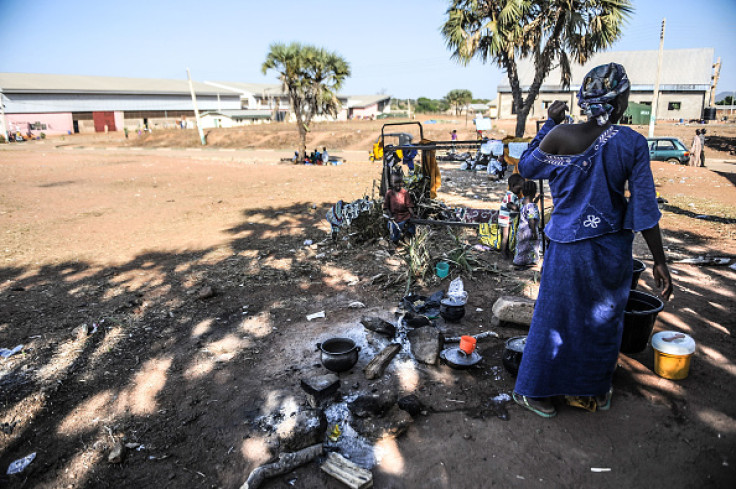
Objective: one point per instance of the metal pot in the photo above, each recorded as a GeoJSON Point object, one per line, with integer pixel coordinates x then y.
{"type": "Point", "coordinates": [452, 313]}
{"type": "Point", "coordinates": [339, 354]}
{"type": "Point", "coordinates": [513, 353]}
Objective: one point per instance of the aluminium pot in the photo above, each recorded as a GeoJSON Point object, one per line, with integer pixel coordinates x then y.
{"type": "Point", "coordinates": [339, 354]}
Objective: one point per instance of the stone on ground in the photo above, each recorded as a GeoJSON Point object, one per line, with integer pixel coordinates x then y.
{"type": "Point", "coordinates": [513, 309]}
{"type": "Point", "coordinates": [426, 344]}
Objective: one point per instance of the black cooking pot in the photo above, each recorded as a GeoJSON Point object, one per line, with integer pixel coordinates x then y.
{"type": "Point", "coordinates": [513, 352]}
{"type": "Point", "coordinates": [452, 314]}
{"type": "Point", "coordinates": [339, 354]}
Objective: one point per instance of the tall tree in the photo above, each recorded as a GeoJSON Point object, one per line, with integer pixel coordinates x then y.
{"type": "Point", "coordinates": [312, 77]}
{"type": "Point", "coordinates": [458, 99]}
{"type": "Point", "coordinates": [550, 32]}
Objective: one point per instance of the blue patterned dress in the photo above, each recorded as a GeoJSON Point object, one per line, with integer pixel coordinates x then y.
{"type": "Point", "coordinates": [576, 329]}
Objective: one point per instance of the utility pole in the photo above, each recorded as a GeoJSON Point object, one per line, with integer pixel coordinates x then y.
{"type": "Point", "coordinates": [655, 98]}
{"type": "Point", "coordinates": [196, 110]}
{"type": "Point", "coordinates": [5, 121]}
{"type": "Point", "coordinates": [714, 84]}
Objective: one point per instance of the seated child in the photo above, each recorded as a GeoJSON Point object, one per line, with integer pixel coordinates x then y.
{"type": "Point", "coordinates": [527, 236]}
{"type": "Point", "coordinates": [509, 210]}
{"type": "Point", "coordinates": [496, 168]}
{"type": "Point", "coordinates": [398, 207]}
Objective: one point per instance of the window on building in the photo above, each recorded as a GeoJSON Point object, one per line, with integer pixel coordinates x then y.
{"type": "Point", "coordinates": [546, 104]}
{"type": "Point", "coordinates": [673, 106]}
{"type": "Point", "coordinates": [646, 103]}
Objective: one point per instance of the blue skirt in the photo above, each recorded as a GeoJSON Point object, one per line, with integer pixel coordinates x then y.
{"type": "Point", "coordinates": [578, 320]}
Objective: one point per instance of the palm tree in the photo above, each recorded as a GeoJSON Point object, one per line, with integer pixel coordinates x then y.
{"type": "Point", "coordinates": [459, 98]}
{"type": "Point", "coordinates": [312, 77]}
{"type": "Point", "coordinates": [549, 32]}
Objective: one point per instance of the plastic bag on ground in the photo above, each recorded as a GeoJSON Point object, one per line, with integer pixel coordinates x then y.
{"type": "Point", "coordinates": [19, 465]}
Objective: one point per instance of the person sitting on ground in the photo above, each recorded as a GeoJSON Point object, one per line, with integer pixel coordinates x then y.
{"type": "Point", "coordinates": [325, 156]}
{"type": "Point", "coordinates": [527, 236]}
{"type": "Point", "coordinates": [317, 157]}
{"type": "Point", "coordinates": [577, 327]}
{"type": "Point", "coordinates": [398, 207]}
{"type": "Point", "coordinates": [509, 211]}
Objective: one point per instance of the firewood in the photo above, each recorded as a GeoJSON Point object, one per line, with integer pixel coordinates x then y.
{"type": "Point", "coordinates": [376, 366]}
{"type": "Point", "coordinates": [286, 463]}
{"type": "Point", "coordinates": [347, 472]}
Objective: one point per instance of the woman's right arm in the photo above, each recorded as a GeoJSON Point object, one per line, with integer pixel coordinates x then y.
{"type": "Point", "coordinates": [660, 271]}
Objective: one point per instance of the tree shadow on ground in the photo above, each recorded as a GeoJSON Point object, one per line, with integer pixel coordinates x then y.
{"type": "Point", "coordinates": [183, 372]}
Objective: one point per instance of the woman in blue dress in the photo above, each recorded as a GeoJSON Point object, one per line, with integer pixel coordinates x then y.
{"type": "Point", "coordinates": [575, 335]}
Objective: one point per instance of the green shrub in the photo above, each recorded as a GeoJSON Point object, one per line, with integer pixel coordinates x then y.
{"type": "Point", "coordinates": [43, 135]}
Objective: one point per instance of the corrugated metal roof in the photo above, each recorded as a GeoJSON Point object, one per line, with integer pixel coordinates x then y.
{"type": "Point", "coordinates": [268, 89]}
{"type": "Point", "coordinates": [682, 69]}
{"type": "Point", "coordinates": [242, 114]}
{"type": "Point", "coordinates": [43, 83]}
{"type": "Point", "coordinates": [357, 101]}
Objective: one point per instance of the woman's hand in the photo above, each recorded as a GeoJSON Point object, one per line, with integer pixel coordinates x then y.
{"type": "Point", "coordinates": [557, 111]}
{"type": "Point", "coordinates": [663, 280]}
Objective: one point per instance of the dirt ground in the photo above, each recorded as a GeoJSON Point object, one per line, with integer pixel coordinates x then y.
{"type": "Point", "coordinates": [122, 236]}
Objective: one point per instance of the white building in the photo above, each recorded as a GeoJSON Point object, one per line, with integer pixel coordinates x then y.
{"type": "Point", "coordinates": [684, 88]}
{"type": "Point", "coordinates": [61, 104]}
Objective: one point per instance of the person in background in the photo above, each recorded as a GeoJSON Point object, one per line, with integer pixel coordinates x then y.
{"type": "Point", "coordinates": [509, 211]}
{"type": "Point", "coordinates": [325, 156]}
{"type": "Point", "coordinates": [527, 237]}
{"type": "Point", "coordinates": [702, 147]}
{"type": "Point", "coordinates": [577, 327]}
{"type": "Point", "coordinates": [398, 207]}
{"type": "Point", "coordinates": [453, 137]}
{"type": "Point", "coordinates": [695, 149]}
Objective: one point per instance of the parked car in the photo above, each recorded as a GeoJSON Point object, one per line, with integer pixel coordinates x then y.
{"type": "Point", "coordinates": [671, 150]}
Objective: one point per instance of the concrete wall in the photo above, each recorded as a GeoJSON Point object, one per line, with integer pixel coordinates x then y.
{"type": "Point", "coordinates": [367, 112]}
{"type": "Point", "coordinates": [691, 104]}
{"type": "Point", "coordinates": [89, 102]}
{"type": "Point", "coordinates": [58, 123]}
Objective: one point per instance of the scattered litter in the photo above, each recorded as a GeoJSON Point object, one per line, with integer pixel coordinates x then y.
{"type": "Point", "coordinates": [520, 477]}
{"type": "Point", "coordinates": [291, 482]}
{"type": "Point", "coordinates": [501, 398]}
{"type": "Point", "coordinates": [733, 267]}
{"type": "Point", "coordinates": [356, 305]}
{"type": "Point", "coordinates": [316, 315]}
{"type": "Point", "coordinates": [319, 256]}
{"type": "Point", "coordinates": [478, 309]}
{"type": "Point", "coordinates": [132, 445]}
{"type": "Point", "coordinates": [19, 465]}
{"type": "Point", "coordinates": [701, 216]}
{"type": "Point", "coordinates": [308, 242]}
{"type": "Point", "coordinates": [704, 260]}
{"type": "Point", "coordinates": [599, 469]}
{"type": "Point", "coordinates": [335, 433]}
{"type": "Point", "coordinates": [456, 292]}
{"type": "Point", "coordinates": [5, 353]}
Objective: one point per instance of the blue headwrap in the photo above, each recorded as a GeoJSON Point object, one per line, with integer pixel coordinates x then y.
{"type": "Point", "coordinates": [599, 88]}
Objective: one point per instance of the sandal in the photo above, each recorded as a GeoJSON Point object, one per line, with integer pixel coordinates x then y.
{"type": "Point", "coordinates": [540, 408]}
{"type": "Point", "coordinates": [605, 403]}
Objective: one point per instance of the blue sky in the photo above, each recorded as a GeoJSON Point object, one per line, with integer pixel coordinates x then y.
{"type": "Point", "coordinates": [393, 47]}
